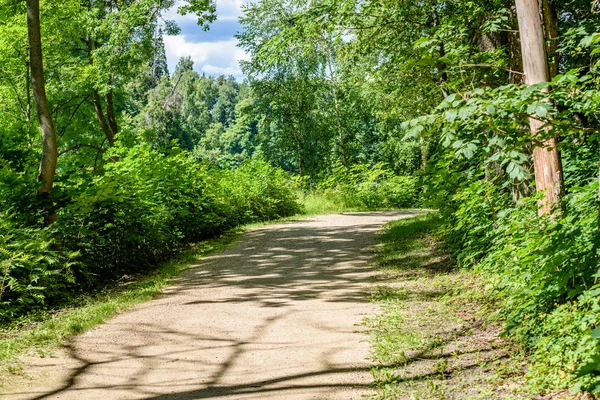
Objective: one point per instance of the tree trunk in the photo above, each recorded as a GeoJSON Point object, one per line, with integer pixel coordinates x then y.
{"type": "Point", "coordinates": [300, 156]}
{"type": "Point", "coordinates": [519, 188]}
{"type": "Point", "coordinates": [424, 153]}
{"type": "Point", "coordinates": [441, 66]}
{"type": "Point", "coordinates": [110, 112]}
{"type": "Point", "coordinates": [515, 58]}
{"type": "Point", "coordinates": [108, 122]}
{"type": "Point", "coordinates": [102, 119]}
{"type": "Point", "coordinates": [550, 25]}
{"type": "Point", "coordinates": [546, 159]}
{"type": "Point", "coordinates": [28, 91]}
{"type": "Point", "coordinates": [340, 129]}
{"type": "Point", "coordinates": [49, 160]}
{"type": "Point", "coordinates": [337, 106]}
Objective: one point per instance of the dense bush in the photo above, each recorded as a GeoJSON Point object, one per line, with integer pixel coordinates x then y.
{"type": "Point", "coordinates": [370, 187]}
{"type": "Point", "coordinates": [257, 191]}
{"type": "Point", "coordinates": [30, 268]}
{"type": "Point", "coordinates": [145, 207]}
{"type": "Point", "coordinates": [545, 271]}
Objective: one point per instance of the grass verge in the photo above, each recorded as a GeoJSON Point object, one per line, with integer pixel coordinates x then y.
{"type": "Point", "coordinates": [43, 333]}
{"type": "Point", "coordinates": [319, 203]}
{"type": "Point", "coordinates": [434, 338]}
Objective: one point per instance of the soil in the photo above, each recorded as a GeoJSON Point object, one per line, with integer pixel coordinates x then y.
{"type": "Point", "coordinates": [276, 316]}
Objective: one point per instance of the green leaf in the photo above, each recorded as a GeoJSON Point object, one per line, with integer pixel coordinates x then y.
{"type": "Point", "coordinates": [451, 115]}
{"type": "Point", "coordinates": [541, 110]}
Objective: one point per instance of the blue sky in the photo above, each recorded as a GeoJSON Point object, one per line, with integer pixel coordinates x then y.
{"type": "Point", "coordinates": [214, 52]}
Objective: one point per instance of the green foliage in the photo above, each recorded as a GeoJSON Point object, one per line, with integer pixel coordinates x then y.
{"type": "Point", "coordinates": [370, 187]}
{"type": "Point", "coordinates": [544, 271]}
{"type": "Point", "coordinates": [31, 269]}
{"type": "Point", "coordinates": [568, 351]}
{"type": "Point", "coordinates": [336, 89]}
{"type": "Point", "coordinates": [256, 191]}
{"type": "Point", "coordinates": [50, 329]}
{"type": "Point", "coordinates": [144, 208]}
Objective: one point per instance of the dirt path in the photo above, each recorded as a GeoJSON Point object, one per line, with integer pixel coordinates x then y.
{"type": "Point", "coordinates": [274, 317]}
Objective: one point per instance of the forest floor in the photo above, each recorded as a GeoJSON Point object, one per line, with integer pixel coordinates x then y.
{"type": "Point", "coordinates": [276, 316]}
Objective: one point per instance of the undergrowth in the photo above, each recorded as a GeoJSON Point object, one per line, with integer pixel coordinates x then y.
{"type": "Point", "coordinates": [144, 209]}
{"type": "Point", "coordinates": [433, 339]}
{"type": "Point", "coordinates": [362, 187]}
{"type": "Point", "coordinates": [544, 272]}
{"type": "Point", "coordinates": [42, 332]}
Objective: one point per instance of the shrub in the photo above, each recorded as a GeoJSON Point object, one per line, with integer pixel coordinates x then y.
{"type": "Point", "coordinates": [30, 269]}
{"type": "Point", "coordinates": [256, 191]}
{"type": "Point", "coordinates": [370, 187]}
{"type": "Point", "coordinates": [545, 272]}
{"type": "Point", "coordinates": [144, 208]}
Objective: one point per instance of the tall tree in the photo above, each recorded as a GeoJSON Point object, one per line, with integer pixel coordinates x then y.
{"type": "Point", "coordinates": [49, 160]}
{"type": "Point", "coordinates": [546, 158]}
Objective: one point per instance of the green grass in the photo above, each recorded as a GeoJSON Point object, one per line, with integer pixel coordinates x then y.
{"type": "Point", "coordinates": [43, 333]}
{"type": "Point", "coordinates": [433, 339]}
{"type": "Point", "coordinates": [318, 203]}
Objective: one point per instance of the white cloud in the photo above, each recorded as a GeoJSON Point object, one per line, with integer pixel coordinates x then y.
{"type": "Point", "coordinates": [214, 70]}
{"type": "Point", "coordinates": [227, 10]}
{"type": "Point", "coordinates": [215, 58]}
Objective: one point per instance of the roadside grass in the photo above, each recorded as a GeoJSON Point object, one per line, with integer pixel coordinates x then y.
{"type": "Point", "coordinates": [318, 203]}
{"type": "Point", "coordinates": [433, 338]}
{"type": "Point", "coordinates": [43, 333]}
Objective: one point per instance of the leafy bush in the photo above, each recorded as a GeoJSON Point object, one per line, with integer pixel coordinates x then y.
{"type": "Point", "coordinates": [30, 268]}
{"type": "Point", "coordinates": [256, 191]}
{"type": "Point", "coordinates": [567, 353]}
{"type": "Point", "coordinates": [370, 187]}
{"type": "Point", "coordinates": [545, 271]}
{"type": "Point", "coordinates": [145, 207]}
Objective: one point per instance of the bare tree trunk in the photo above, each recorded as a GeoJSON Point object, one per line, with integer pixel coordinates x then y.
{"type": "Point", "coordinates": [49, 160]}
{"type": "Point", "coordinates": [546, 159]}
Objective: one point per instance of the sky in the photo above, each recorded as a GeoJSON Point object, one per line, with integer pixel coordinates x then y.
{"type": "Point", "coordinates": [214, 51]}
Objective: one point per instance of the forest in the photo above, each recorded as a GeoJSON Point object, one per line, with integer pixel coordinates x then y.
{"type": "Point", "coordinates": [483, 110]}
